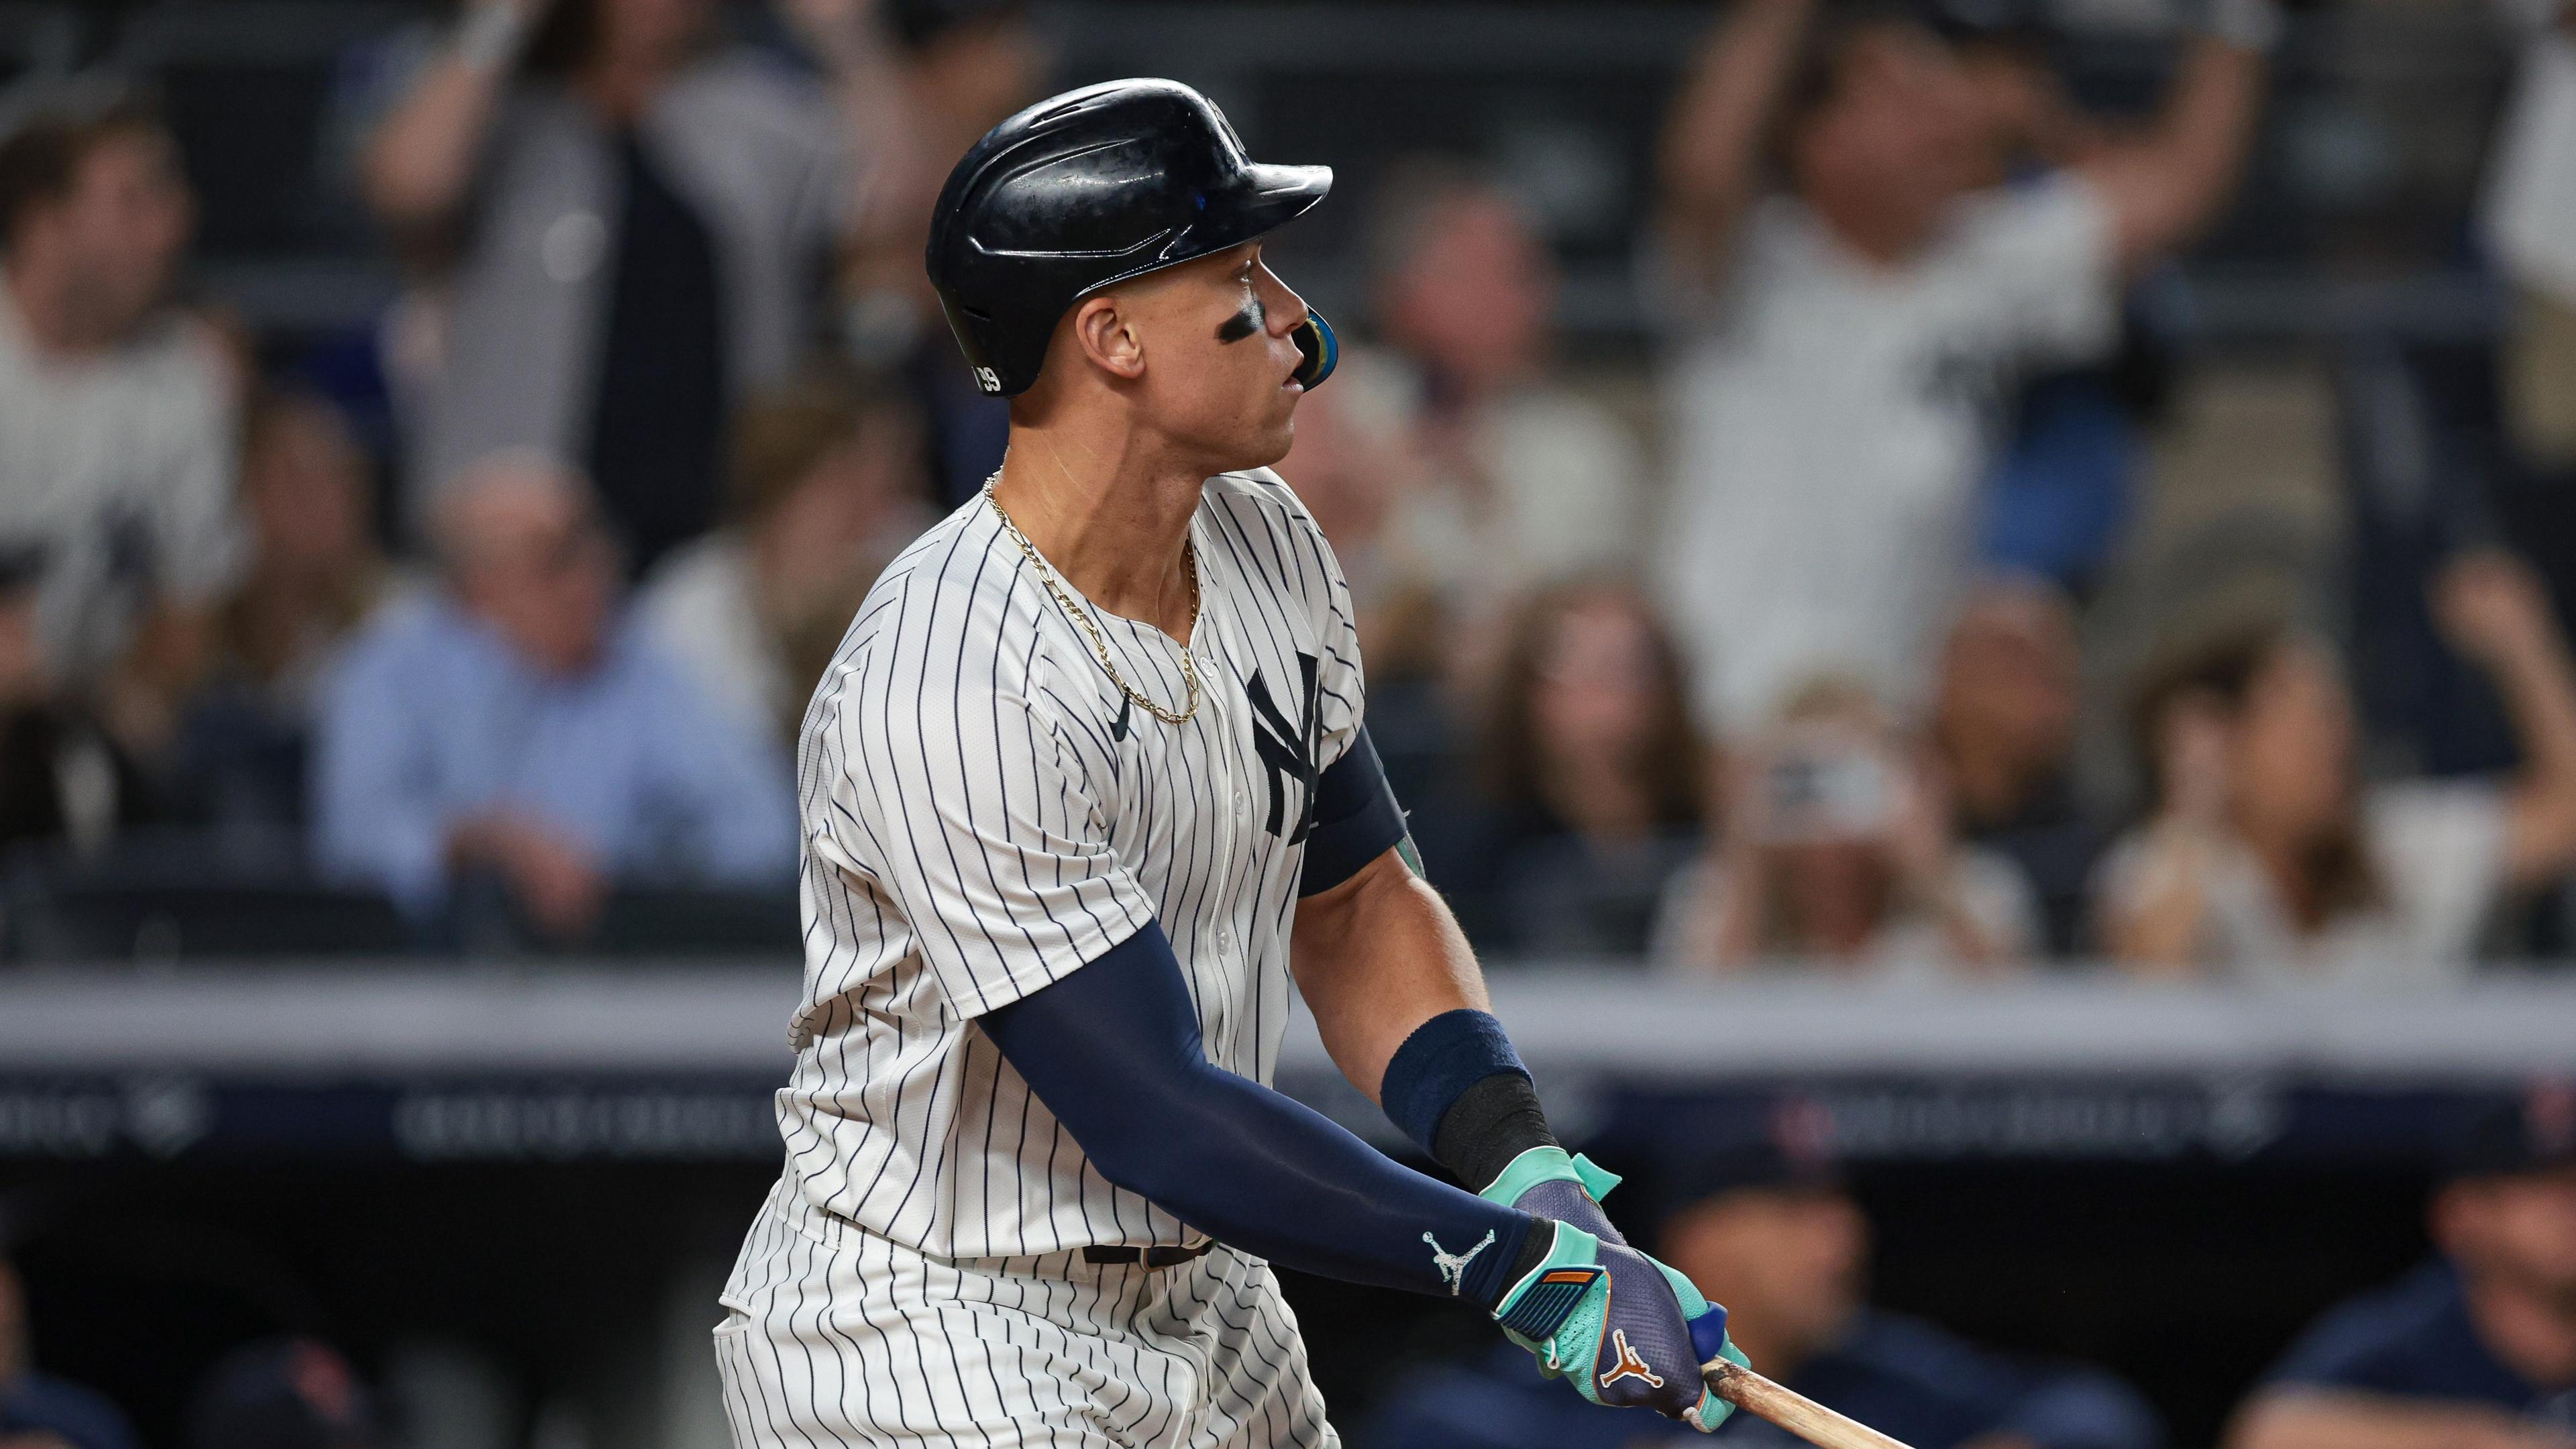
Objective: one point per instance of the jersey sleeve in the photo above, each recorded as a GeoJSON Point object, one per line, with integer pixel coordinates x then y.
{"type": "Point", "coordinates": [971, 805]}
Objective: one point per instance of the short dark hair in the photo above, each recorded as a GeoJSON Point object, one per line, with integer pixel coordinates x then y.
{"type": "Point", "coordinates": [43, 146]}
{"type": "Point", "coordinates": [1817, 72]}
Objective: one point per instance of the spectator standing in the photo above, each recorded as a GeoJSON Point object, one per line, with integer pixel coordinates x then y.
{"type": "Point", "coordinates": [1830, 398]}
{"type": "Point", "coordinates": [1838, 852]}
{"type": "Point", "coordinates": [1590, 783]}
{"type": "Point", "coordinates": [516, 726]}
{"type": "Point", "coordinates": [37, 1410]}
{"type": "Point", "coordinates": [1776, 1237]}
{"type": "Point", "coordinates": [1524, 482]}
{"type": "Point", "coordinates": [828, 487]}
{"type": "Point", "coordinates": [116, 432]}
{"type": "Point", "coordinates": [2004, 724]}
{"type": "Point", "coordinates": [2474, 1350]}
{"type": "Point", "coordinates": [2266, 858]}
{"type": "Point", "coordinates": [626, 223]}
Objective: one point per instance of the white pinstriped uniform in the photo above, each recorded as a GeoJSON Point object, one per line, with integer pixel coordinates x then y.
{"type": "Point", "coordinates": [983, 813]}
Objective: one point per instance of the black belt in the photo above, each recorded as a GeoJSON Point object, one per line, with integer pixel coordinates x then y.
{"type": "Point", "coordinates": [1153, 1257]}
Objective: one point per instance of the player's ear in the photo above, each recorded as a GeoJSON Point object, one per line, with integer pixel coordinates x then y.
{"type": "Point", "coordinates": [1108, 337]}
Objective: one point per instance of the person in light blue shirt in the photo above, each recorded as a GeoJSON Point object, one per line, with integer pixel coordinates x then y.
{"type": "Point", "coordinates": [516, 725]}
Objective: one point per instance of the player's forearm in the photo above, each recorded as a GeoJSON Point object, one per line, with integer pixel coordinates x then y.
{"type": "Point", "coordinates": [2332, 1419]}
{"type": "Point", "coordinates": [1375, 958]}
{"type": "Point", "coordinates": [1114, 1051]}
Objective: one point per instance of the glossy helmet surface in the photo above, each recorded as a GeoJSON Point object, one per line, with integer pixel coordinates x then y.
{"type": "Point", "coordinates": [1089, 189]}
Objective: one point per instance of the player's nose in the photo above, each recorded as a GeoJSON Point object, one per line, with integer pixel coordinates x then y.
{"type": "Point", "coordinates": [1283, 309]}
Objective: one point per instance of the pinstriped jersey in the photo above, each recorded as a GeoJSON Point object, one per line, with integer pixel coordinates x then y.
{"type": "Point", "coordinates": [984, 811]}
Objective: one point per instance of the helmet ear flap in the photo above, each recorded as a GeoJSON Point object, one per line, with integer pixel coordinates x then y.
{"type": "Point", "coordinates": [1314, 337]}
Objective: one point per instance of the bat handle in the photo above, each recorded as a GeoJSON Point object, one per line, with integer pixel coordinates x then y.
{"type": "Point", "coordinates": [1793, 1411]}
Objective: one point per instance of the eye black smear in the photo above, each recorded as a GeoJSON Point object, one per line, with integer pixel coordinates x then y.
{"type": "Point", "coordinates": [1244, 323]}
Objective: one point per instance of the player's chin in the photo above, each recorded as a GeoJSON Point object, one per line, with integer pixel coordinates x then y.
{"type": "Point", "coordinates": [1262, 434]}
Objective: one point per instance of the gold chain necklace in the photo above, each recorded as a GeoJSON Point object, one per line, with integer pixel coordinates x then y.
{"type": "Point", "coordinates": [1100, 641]}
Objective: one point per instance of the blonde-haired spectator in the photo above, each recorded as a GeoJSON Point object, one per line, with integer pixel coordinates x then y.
{"type": "Point", "coordinates": [1838, 853]}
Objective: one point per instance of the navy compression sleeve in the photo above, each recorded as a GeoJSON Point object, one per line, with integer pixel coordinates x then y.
{"type": "Point", "coordinates": [1113, 1050]}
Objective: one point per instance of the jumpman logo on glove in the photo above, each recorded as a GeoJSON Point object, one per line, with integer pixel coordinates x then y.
{"type": "Point", "coordinates": [1629, 1366]}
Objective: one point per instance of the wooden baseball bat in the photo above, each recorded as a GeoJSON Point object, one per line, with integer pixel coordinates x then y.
{"type": "Point", "coordinates": [1792, 1411]}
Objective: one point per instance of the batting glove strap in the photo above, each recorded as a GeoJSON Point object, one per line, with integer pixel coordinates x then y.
{"type": "Point", "coordinates": [1546, 1183]}
{"type": "Point", "coordinates": [1536, 1306]}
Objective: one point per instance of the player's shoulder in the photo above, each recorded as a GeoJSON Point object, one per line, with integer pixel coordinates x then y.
{"type": "Point", "coordinates": [1260, 516]}
{"type": "Point", "coordinates": [1260, 493]}
{"type": "Point", "coordinates": [955, 610]}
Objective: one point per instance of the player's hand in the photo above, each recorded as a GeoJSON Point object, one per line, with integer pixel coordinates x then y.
{"type": "Point", "coordinates": [1626, 1330]}
{"type": "Point", "coordinates": [1544, 1182]}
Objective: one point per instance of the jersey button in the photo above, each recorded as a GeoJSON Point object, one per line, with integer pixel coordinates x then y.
{"type": "Point", "coordinates": [1241, 802]}
{"type": "Point", "coordinates": [1224, 939]}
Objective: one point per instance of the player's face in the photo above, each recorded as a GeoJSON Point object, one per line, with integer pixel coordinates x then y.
{"type": "Point", "coordinates": [1220, 367]}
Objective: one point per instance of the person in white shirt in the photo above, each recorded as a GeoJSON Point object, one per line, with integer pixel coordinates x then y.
{"type": "Point", "coordinates": [1840, 341]}
{"type": "Point", "coordinates": [2529, 219]}
{"type": "Point", "coordinates": [2267, 861]}
{"type": "Point", "coordinates": [117, 453]}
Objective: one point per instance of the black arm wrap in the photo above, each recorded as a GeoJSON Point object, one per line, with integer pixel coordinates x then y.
{"type": "Point", "coordinates": [1491, 1123]}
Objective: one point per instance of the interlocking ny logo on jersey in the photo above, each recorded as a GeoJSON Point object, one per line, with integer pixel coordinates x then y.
{"type": "Point", "coordinates": [1629, 1366]}
{"type": "Point", "coordinates": [1288, 749]}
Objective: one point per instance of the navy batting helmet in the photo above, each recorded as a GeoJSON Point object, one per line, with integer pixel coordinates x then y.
{"type": "Point", "coordinates": [1089, 189]}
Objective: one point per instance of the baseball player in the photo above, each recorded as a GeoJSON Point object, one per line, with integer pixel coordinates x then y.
{"type": "Point", "coordinates": [1086, 792]}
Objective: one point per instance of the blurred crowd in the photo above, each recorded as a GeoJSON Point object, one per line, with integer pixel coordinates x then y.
{"type": "Point", "coordinates": [2473, 1348]}
{"type": "Point", "coordinates": [1820, 644]}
